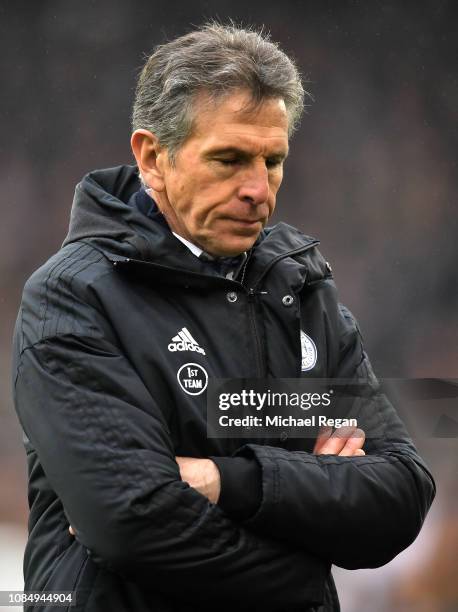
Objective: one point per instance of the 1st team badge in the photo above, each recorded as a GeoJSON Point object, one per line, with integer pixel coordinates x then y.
{"type": "Point", "coordinates": [193, 378]}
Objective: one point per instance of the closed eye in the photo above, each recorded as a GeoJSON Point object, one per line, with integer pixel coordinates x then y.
{"type": "Point", "coordinates": [228, 162]}
{"type": "Point", "coordinates": [270, 163]}
{"type": "Point", "coordinates": [273, 162]}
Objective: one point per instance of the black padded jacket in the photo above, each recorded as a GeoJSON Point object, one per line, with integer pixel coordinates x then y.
{"type": "Point", "coordinates": [104, 415]}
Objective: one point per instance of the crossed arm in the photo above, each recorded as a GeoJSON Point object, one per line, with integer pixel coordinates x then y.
{"type": "Point", "coordinates": [333, 500]}
{"type": "Point", "coordinates": [204, 476]}
{"type": "Point", "coordinates": [332, 497]}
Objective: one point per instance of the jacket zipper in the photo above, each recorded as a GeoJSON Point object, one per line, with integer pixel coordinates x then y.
{"type": "Point", "coordinates": [257, 340]}
{"type": "Point", "coordinates": [252, 301]}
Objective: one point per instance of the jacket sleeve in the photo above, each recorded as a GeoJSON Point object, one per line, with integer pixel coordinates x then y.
{"type": "Point", "coordinates": [356, 511]}
{"type": "Point", "coordinates": [239, 473]}
{"type": "Point", "coordinates": [106, 450]}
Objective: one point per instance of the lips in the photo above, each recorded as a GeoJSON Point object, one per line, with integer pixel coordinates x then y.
{"type": "Point", "coordinates": [247, 222]}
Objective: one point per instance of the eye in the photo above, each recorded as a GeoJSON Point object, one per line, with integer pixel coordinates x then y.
{"type": "Point", "coordinates": [228, 162]}
{"type": "Point", "coordinates": [274, 162]}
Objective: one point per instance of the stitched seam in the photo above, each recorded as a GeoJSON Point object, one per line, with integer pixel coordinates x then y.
{"type": "Point", "coordinates": [49, 338]}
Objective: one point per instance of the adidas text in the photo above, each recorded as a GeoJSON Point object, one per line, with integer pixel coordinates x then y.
{"type": "Point", "coordinates": [183, 341]}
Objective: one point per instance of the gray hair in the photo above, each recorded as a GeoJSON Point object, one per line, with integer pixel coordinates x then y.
{"type": "Point", "coordinates": [215, 59]}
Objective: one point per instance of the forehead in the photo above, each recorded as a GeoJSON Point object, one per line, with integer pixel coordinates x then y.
{"type": "Point", "coordinates": [235, 121]}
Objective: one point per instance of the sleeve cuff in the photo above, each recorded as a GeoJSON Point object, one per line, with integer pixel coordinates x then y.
{"type": "Point", "coordinates": [241, 486]}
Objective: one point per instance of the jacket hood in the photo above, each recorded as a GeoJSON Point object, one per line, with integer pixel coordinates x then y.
{"type": "Point", "coordinates": [102, 213]}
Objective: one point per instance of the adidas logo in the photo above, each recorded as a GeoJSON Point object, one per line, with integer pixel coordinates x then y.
{"type": "Point", "coordinates": [183, 341]}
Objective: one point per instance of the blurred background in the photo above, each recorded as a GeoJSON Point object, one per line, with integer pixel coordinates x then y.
{"type": "Point", "coordinates": [372, 173]}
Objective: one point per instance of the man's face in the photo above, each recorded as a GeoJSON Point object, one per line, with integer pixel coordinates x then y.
{"type": "Point", "coordinates": [221, 190]}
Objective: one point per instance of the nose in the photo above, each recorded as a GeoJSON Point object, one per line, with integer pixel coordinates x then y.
{"type": "Point", "coordinates": [255, 186]}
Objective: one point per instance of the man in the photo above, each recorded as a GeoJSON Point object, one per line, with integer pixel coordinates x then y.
{"type": "Point", "coordinates": [169, 276]}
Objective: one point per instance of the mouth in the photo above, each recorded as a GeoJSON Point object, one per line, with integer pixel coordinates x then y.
{"type": "Point", "coordinates": [246, 222]}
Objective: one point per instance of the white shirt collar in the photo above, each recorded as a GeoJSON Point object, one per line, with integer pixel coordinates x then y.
{"type": "Point", "coordinates": [197, 251]}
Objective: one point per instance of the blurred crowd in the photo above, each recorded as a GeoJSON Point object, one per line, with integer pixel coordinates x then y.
{"type": "Point", "coordinates": [372, 173]}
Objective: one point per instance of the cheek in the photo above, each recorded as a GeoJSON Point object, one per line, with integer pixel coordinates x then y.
{"type": "Point", "coordinates": [277, 180]}
{"type": "Point", "coordinates": [196, 205]}
{"type": "Point", "coordinates": [182, 197]}
{"type": "Point", "coordinates": [271, 204]}
{"type": "Point", "coordinates": [209, 197]}
{"type": "Point", "coordinates": [275, 183]}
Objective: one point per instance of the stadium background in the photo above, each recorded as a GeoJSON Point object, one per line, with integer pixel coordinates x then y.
{"type": "Point", "coordinates": [372, 173]}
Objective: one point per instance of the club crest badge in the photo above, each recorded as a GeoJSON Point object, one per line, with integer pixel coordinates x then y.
{"type": "Point", "coordinates": [309, 353]}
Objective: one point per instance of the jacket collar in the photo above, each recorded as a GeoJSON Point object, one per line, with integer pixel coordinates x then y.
{"type": "Point", "coordinates": [103, 213]}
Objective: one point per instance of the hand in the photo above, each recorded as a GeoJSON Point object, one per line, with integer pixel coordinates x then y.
{"type": "Point", "coordinates": [345, 441]}
{"type": "Point", "coordinates": [202, 475]}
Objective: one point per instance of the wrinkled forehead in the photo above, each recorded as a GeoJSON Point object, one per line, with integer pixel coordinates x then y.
{"type": "Point", "coordinates": [237, 115]}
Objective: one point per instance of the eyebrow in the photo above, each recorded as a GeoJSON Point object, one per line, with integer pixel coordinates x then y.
{"type": "Point", "coordinates": [241, 153]}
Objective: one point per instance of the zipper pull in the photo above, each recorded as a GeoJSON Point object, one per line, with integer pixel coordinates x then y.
{"type": "Point", "coordinates": [251, 295]}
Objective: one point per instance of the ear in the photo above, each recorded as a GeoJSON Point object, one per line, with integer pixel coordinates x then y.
{"type": "Point", "coordinates": [151, 158]}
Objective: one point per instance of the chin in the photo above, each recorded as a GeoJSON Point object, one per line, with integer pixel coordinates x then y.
{"type": "Point", "coordinates": [233, 247]}
{"type": "Point", "coordinates": [229, 243]}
